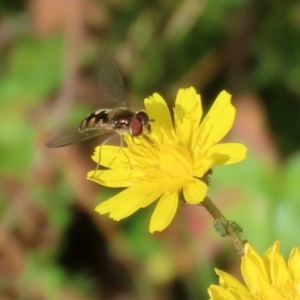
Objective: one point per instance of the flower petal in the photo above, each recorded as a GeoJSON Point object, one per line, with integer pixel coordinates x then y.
{"type": "Point", "coordinates": [164, 212]}
{"type": "Point", "coordinates": [116, 178]}
{"type": "Point", "coordinates": [187, 115]}
{"type": "Point", "coordinates": [202, 166]}
{"type": "Point", "coordinates": [274, 261]}
{"type": "Point", "coordinates": [254, 271]}
{"type": "Point", "coordinates": [219, 293]}
{"type": "Point", "coordinates": [294, 264]}
{"type": "Point", "coordinates": [175, 161]}
{"type": "Point", "coordinates": [158, 110]}
{"type": "Point", "coordinates": [141, 152]}
{"type": "Point", "coordinates": [217, 122]}
{"type": "Point", "coordinates": [195, 191]}
{"type": "Point", "coordinates": [228, 153]}
{"type": "Point", "coordinates": [130, 200]}
{"type": "Point", "coordinates": [162, 126]}
{"type": "Point", "coordinates": [111, 156]}
{"type": "Point", "coordinates": [226, 280]}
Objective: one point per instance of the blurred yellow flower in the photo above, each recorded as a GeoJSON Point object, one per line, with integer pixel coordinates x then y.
{"type": "Point", "coordinates": [266, 278]}
{"type": "Point", "coordinates": [177, 160]}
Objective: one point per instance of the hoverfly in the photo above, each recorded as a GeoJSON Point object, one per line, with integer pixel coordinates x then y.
{"type": "Point", "coordinates": [119, 118]}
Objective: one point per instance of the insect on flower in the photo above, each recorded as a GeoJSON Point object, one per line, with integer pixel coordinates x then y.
{"type": "Point", "coordinates": [117, 119]}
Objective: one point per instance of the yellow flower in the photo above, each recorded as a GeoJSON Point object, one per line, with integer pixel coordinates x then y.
{"type": "Point", "coordinates": [178, 159]}
{"type": "Point", "coordinates": [266, 278]}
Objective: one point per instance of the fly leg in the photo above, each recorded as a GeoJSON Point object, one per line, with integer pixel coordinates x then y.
{"type": "Point", "coordinates": [99, 158]}
{"type": "Point", "coordinates": [122, 146]}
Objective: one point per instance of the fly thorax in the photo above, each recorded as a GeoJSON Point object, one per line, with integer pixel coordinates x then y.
{"type": "Point", "coordinates": [122, 119]}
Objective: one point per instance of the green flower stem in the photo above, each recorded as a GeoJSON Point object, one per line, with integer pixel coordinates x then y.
{"type": "Point", "coordinates": [231, 229]}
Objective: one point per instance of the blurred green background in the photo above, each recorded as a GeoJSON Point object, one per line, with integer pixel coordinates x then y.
{"type": "Point", "coordinates": [52, 243]}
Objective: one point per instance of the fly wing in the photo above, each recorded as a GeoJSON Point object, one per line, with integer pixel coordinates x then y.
{"type": "Point", "coordinates": [112, 85]}
{"type": "Point", "coordinates": [75, 135]}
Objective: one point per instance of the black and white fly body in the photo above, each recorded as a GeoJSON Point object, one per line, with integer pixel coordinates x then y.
{"type": "Point", "coordinates": [119, 118]}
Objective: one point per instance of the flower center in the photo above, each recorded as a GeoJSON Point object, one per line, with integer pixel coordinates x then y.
{"type": "Point", "coordinates": [176, 162]}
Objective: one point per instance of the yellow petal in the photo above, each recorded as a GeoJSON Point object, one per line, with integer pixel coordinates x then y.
{"type": "Point", "coordinates": [217, 122]}
{"type": "Point", "coordinates": [158, 110]}
{"type": "Point", "coordinates": [225, 154]}
{"type": "Point", "coordinates": [143, 154]}
{"type": "Point", "coordinates": [116, 178]}
{"type": "Point", "coordinates": [130, 200]}
{"type": "Point", "coordinates": [226, 280]}
{"type": "Point", "coordinates": [187, 115]}
{"type": "Point", "coordinates": [254, 271]}
{"type": "Point", "coordinates": [164, 212]}
{"type": "Point", "coordinates": [274, 293]}
{"type": "Point", "coordinates": [195, 191]}
{"type": "Point", "coordinates": [202, 165]}
{"type": "Point", "coordinates": [112, 156]}
{"type": "Point", "coordinates": [294, 265]}
{"type": "Point", "coordinates": [219, 293]}
{"type": "Point", "coordinates": [175, 161]}
{"type": "Point", "coordinates": [274, 261]}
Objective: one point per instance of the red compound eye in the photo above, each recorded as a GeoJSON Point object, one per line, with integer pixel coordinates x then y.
{"type": "Point", "coordinates": [143, 117]}
{"type": "Point", "coordinates": [136, 126]}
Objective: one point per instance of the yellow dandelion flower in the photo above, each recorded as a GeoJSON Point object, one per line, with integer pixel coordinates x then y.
{"type": "Point", "coordinates": [177, 160]}
{"type": "Point", "coordinates": [266, 278]}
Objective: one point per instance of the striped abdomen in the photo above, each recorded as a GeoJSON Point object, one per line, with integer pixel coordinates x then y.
{"type": "Point", "coordinates": [99, 118]}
